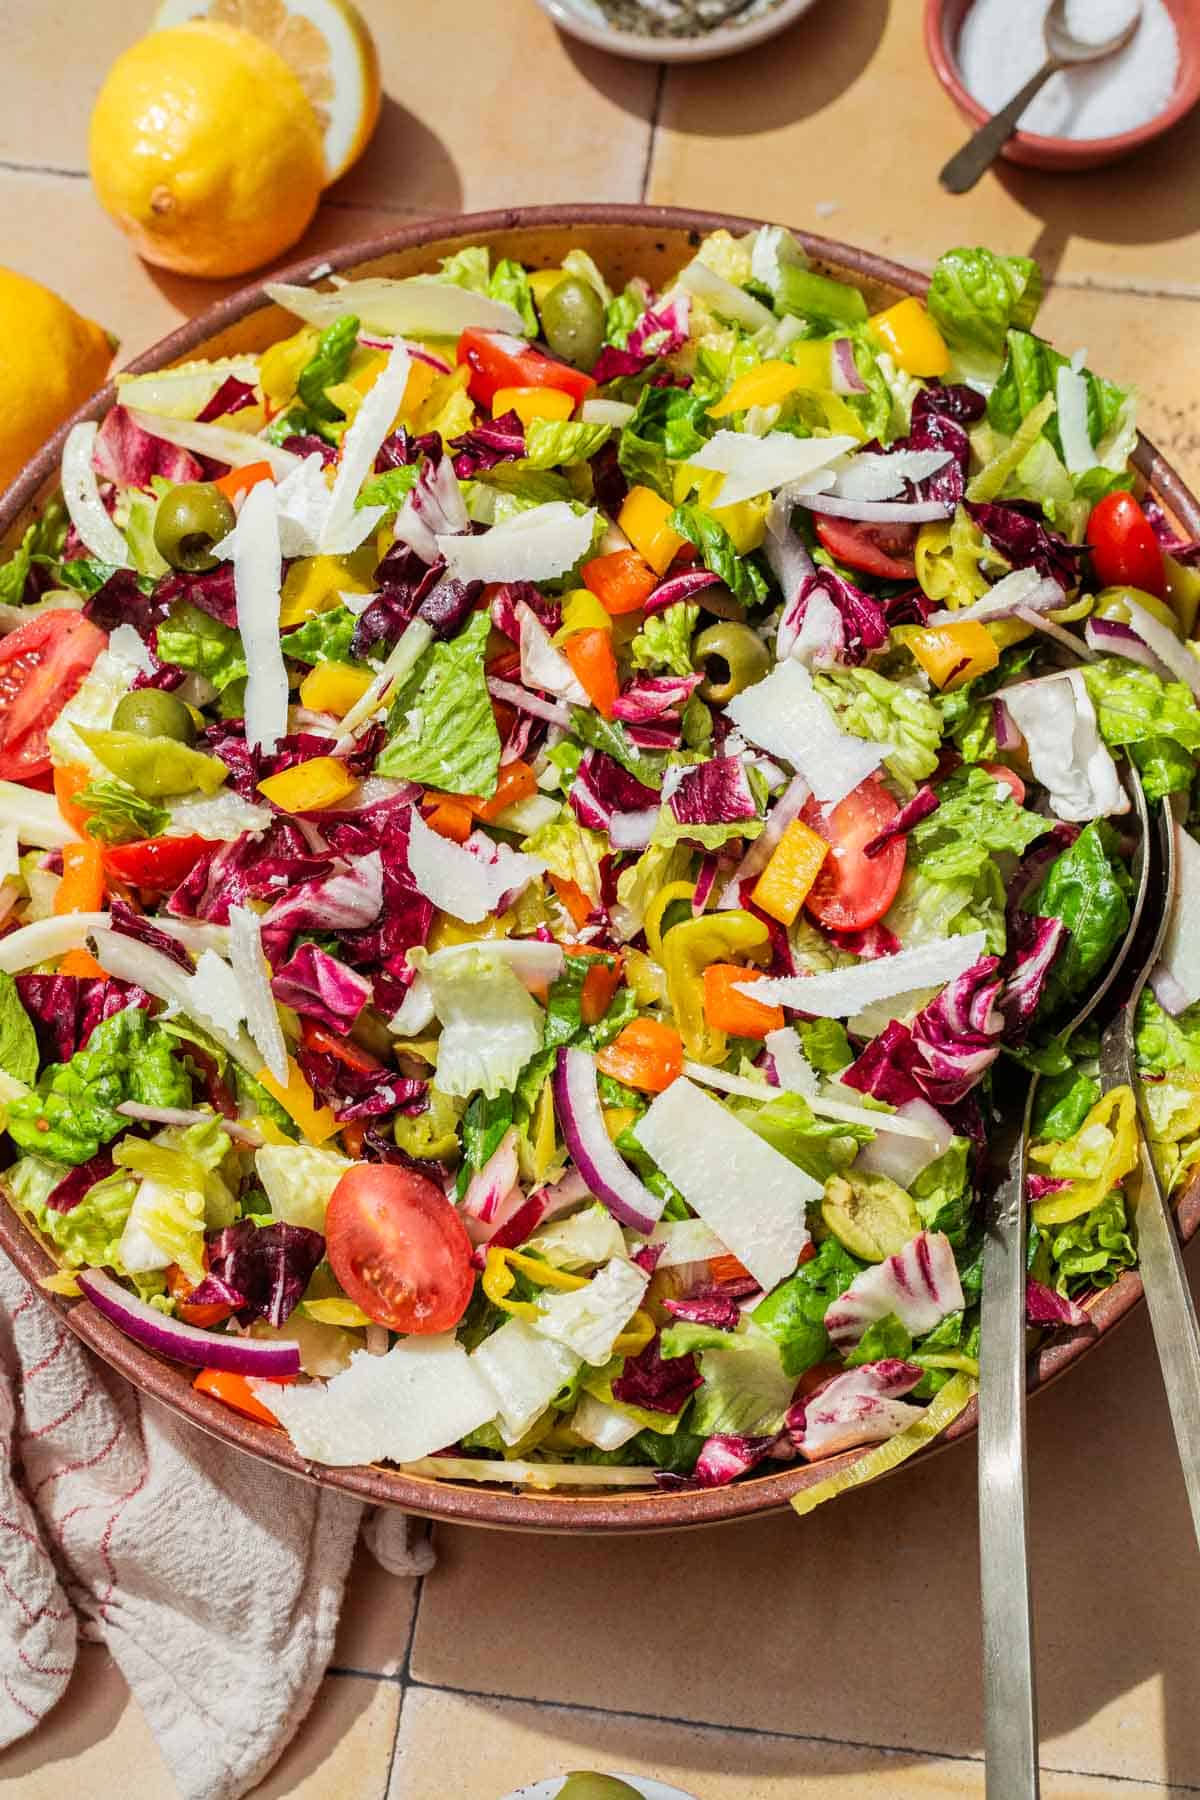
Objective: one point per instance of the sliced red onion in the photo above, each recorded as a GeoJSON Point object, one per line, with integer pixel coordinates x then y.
{"type": "Point", "coordinates": [1166, 646]}
{"type": "Point", "coordinates": [185, 1343]}
{"type": "Point", "coordinates": [1003, 727]}
{"type": "Point", "coordinates": [923, 802]}
{"type": "Point", "coordinates": [493, 1183]}
{"type": "Point", "coordinates": [179, 1115]}
{"type": "Point", "coordinates": [846, 378]}
{"type": "Point", "coordinates": [679, 587]}
{"type": "Point", "coordinates": [704, 883]}
{"type": "Point", "coordinates": [1067, 639]}
{"type": "Point", "coordinates": [1169, 993]}
{"type": "Point", "coordinates": [1043, 1306]}
{"type": "Point", "coordinates": [876, 512]}
{"type": "Point", "coordinates": [1109, 635]}
{"type": "Point", "coordinates": [577, 1102]}
{"type": "Point", "coordinates": [524, 701]}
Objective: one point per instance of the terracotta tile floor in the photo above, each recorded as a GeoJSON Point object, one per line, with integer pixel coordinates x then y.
{"type": "Point", "coordinates": [837, 1657]}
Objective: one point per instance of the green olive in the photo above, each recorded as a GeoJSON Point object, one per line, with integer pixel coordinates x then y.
{"type": "Point", "coordinates": [1183, 591]}
{"type": "Point", "coordinates": [152, 713]}
{"type": "Point", "coordinates": [1113, 603]}
{"type": "Point", "coordinates": [573, 322]}
{"type": "Point", "coordinates": [191, 518]}
{"type": "Point", "coordinates": [583, 1785]}
{"type": "Point", "coordinates": [742, 653]}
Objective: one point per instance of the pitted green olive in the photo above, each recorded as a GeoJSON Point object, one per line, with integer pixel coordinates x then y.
{"type": "Point", "coordinates": [583, 1785]}
{"type": "Point", "coordinates": [191, 518]}
{"type": "Point", "coordinates": [734, 658]}
{"type": "Point", "coordinates": [573, 321]}
{"type": "Point", "coordinates": [152, 713]}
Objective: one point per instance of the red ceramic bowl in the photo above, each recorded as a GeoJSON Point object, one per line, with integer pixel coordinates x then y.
{"type": "Point", "coordinates": [654, 241]}
{"type": "Point", "coordinates": [943, 24]}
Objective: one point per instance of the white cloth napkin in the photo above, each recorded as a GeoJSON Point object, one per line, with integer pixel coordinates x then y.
{"type": "Point", "coordinates": [215, 1580]}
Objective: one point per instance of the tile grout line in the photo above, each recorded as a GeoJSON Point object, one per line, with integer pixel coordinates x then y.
{"type": "Point", "coordinates": [403, 1676]}
{"type": "Point", "coordinates": [24, 168]}
{"type": "Point", "coordinates": [660, 83]}
{"type": "Point", "coordinates": [415, 1685]}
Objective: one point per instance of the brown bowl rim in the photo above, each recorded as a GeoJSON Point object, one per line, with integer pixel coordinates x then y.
{"type": "Point", "coordinates": [1060, 152]}
{"type": "Point", "coordinates": [637, 1511]}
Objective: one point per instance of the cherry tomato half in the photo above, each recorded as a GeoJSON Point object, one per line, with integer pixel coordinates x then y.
{"type": "Point", "coordinates": [1125, 551]}
{"type": "Point", "coordinates": [399, 1249]}
{"type": "Point", "coordinates": [41, 665]}
{"type": "Point", "coordinates": [853, 891]}
{"type": "Point", "coordinates": [497, 361]}
{"type": "Point", "coordinates": [156, 864]}
{"type": "Point", "coordinates": [885, 550]}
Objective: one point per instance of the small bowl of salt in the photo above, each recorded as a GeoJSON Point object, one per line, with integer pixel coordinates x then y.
{"type": "Point", "coordinates": [675, 31]}
{"type": "Point", "coordinates": [984, 51]}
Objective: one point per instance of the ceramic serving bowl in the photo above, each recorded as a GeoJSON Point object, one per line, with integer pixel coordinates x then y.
{"type": "Point", "coordinates": [943, 26]}
{"type": "Point", "coordinates": [585, 20]}
{"type": "Point", "coordinates": [624, 240]}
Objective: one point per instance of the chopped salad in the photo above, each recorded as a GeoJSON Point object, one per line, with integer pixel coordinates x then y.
{"type": "Point", "coordinates": [530, 815]}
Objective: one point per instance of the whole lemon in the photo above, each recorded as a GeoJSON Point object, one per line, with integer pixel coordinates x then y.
{"type": "Point", "coordinates": [51, 360]}
{"type": "Point", "coordinates": [205, 150]}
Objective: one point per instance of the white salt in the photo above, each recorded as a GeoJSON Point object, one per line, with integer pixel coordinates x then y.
{"type": "Point", "coordinates": [1001, 45]}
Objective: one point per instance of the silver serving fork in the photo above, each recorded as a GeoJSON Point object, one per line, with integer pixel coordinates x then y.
{"type": "Point", "coordinates": [1009, 1678]}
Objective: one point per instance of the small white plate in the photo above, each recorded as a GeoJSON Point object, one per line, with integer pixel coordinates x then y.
{"type": "Point", "coordinates": [584, 19]}
{"type": "Point", "coordinates": [648, 1788]}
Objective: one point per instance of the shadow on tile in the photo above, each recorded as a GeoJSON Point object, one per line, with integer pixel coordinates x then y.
{"type": "Point", "coordinates": [406, 166]}
{"type": "Point", "coordinates": [86, 1715]}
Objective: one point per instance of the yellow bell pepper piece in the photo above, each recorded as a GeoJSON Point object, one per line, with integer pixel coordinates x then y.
{"type": "Point", "coordinates": [296, 1098]}
{"type": "Point", "coordinates": [531, 403]}
{"type": "Point", "coordinates": [767, 385]}
{"type": "Point", "coordinates": [643, 518]}
{"type": "Point", "coordinates": [334, 687]}
{"type": "Point", "coordinates": [321, 781]}
{"type": "Point", "coordinates": [543, 282]}
{"type": "Point", "coordinates": [911, 338]}
{"type": "Point", "coordinates": [417, 390]}
{"type": "Point", "coordinates": [279, 366]}
{"type": "Point", "coordinates": [1116, 1114]}
{"type": "Point", "coordinates": [543, 1137]}
{"type": "Point", "coordinates": [582, 612]}
{"type": "Point", "coordinates": [636, 1335]}
{"type": "Point", "coordinates": [746, 523]}
{"type": "Point", "coordinates": [687, 950]}
{"type": "Point", "coordinates": [618, 1119]}
{"type": "Point", "coordinates": [315, 584]}
{"type": "Point", "coordinates": [953, 654]}
{"type": "Point", "coordinates": [794, 865]}
{"type": "Point", "coordinates": [652, 924]}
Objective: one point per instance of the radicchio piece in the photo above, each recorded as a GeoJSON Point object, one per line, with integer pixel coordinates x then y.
{"type": "Point", "coordinates": [135, 925]}
{"type": "Point", "coordinates": [920, 1284]}
{"type": "Point", "coordinates": [717, 1310]}
{"type": "Point", "coordinates": [869, 942]}
{"type": "Point", "coordinates": [262, 1270]}
{"type": "Point", "coordinates": [654, 1383]}
{"type": "Point", "coordinates": [717, 792]}
{"type": "Point", "coordinates": [364, 1089]}
{"type": "Point", "coordinates": [952, 400]}
{"type": "Point", "coordinates": [1033, 866]}
{"type": "Point", "coordinates": [660, 331]}
{"type": "Point", "coordinates": [232, 396]}
{"type": "Point", "coordinates": [128, 455]}
{"type": "Point", "coordinates": [433, 508]}
{"type": "Point", "coordinates": [507, 596]}
{"type": "Point", "coordinates": [401, 449]}
{"type": "Point", "coordinates": [948, 1047]}
{"type": "Point", "coordinates": [404, 580]}
{"type": "Point", "coordinates": [679, 587]}
{"type": "Point", "coordinates": [65, 1009]}
{"type": "Point", "coordinates": [73, 1186]}
{"type": "Point", "coordinates": [1039, 1186]}
{"type": "Point", "coordinates": [923, 802]}
{"type": "Point", "coordinates": [863, 1406]}
{"type": "Point", "coordinates": [724, 1458]}
{"type": "Point", "coordinates": [250, 867]}
{"type": "Point", "coordinates": [213, 593]}
{"type": "Point", "coordinates": [446, 605]}
{"type": "Point", "coordinates": [1037, 942]}
{"type": "Point", "coordinates": [316, 984]}
{"type": "Point", "coordinates": [404, 920]}
{"type": "Point", "coordinates": [861, 625]}
{"type": "Point", "coordinates": [1043, 1306]}
{"type": "Point", "coordinates": [602, 787]}
{"type": "Point", "coordinates": [307, 443]}
{"type": "Point", "coordinates": [1015, 528]}
{"type": "Point", "coordinates": [120, 601]}
{"type": "Point", "coordinates": [347, 900]}
{"type": "Point", "coordinates": [650, 696]}
{"type": "Point", "coordinates": [494, 441]}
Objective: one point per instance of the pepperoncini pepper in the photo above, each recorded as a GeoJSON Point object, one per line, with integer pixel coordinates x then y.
{"type": "Point", "coordinates": [499, 1279]}
{"type": "Point", "coordinates": [687, 950]}
{"type": "Point", "coordinates": [1114, 1115]}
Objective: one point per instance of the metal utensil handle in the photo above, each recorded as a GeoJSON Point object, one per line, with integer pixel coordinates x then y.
{"type": "Point", "coordinates": [979, 152]}
{"type": "Point", "coordinates": [1009, 1680]}
{"type": "Point", "coordinates": [1172, 1319]}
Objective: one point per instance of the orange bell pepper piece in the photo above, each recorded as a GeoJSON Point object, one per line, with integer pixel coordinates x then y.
{"type": "Point", "coordinates": [574, 901]}
{"type": "Point", "coordinates": [516, 781]}
{"type": "Point", "coordinates": [600, 983]}
{"type": "Point", "coordinates": [727, 1010]}
{"type": "Point", "coordinates": [82, 886]}
{"type": "Point", "coordinates": [727, 1268]}
{"type": "Point", "coordinates": [952, 654]}
{"type": "Point", "coordinates": [794, 865]}
{"type": "Point", "coordinates": [206, 1313]}
{"type": "Point", "coordinates": [71, 779]}
{"type": "Point", "coordinates": [590, 654]}
{"type": "Point", "coordinates": [234, 1390]}
{"type": "Point", "coordinates": [621, 581]}
{"type": "Point", "coordinates": [240, 481]}
{"type": "Point", "coordinates": [647, 1055]}
{"type": "Point", "coordinates": [450, 818]}
{"type": "Point", "coordinates": [83, 963]}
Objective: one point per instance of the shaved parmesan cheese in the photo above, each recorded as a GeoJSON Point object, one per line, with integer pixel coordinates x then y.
{"type": "Point", "coordinates": [871, 477]}
{"type": "Point", "coordinates": [543, 666]}
{"type": "Point", "coordinates": [81, 493]}
{"type": "Point", "coordinates": [524, 1371]}
{"type": "Point", "coordinates": [415, 1012]}
{"type": "Point", "coordinates": [785, 715]}
{"type": "Point", "coordinates": [183, 392]}
{"type": "Point", "coordinates": [130, 960]}
{"type": "Point", "coordinates": [216, 995]}
{"type": "Point", "coordinates": [589, 1320]}
{"type": "Point", "coordinates": [237, 448]}
{"type": "Point", "coordinates": [126, 643]}
{"type": "Point", "coordinates": [421, 306]}
{"type": "Point", "coordinates": [682, 1241]}
{"type": "Point", "coordinates": [372, 423]}
{"type": "Point", "coordinates": [751, 1195]}
{"type": "Point", "coordinates": [34, 817]}
{"type": "Point", "coordinates": [222, 816]}
{"type": "Point", "coordinates": [601, 1425]}
{"type": "Point", "coordinates": [793, 1069]}
{"type": "Point", "coordinates": [1024, 587]}
{"type": "Point", "coordinates": [423, 1395]}
{"type": "Point", "coordinates": [536, 545]}
{"type": "Point", "coordinates": [1181, 947]}
{"type": "Point", "coordinates": [301, 506]}
{"type": "Point", "coordinates": [1056, 718]}
{"type": "Point", "coordinates": [457, 879]}
{"type": "Point", "coordinates": [726, 1083]}
{"type": "Point", "coordinates": [721, 297]}
{"type": "Point", "coordinates": [1072, 395]}
{"type": "Point", "coordinates": [253, 978]}
{"type": "Point", "coordinates": [759, 465]}
{"type": "Point", "coordinates": [839, 993]}
{"type": "Point", "coordinates": [818, 1102]}
{"type": "Point", "coordinates": [257, 573]}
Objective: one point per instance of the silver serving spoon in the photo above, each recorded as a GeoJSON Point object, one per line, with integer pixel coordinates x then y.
{"type": "Point", "coordinates": [1063, 51]}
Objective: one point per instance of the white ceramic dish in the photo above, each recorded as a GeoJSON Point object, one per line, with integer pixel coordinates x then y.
{"type": "Point", "coordinates": [585, 20]}
{"type": "Point", "coordinates": [645, 1785]}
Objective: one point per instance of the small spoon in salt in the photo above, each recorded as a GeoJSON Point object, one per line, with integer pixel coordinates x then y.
{"type": "Point", "coordinates": [1063, 51]}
